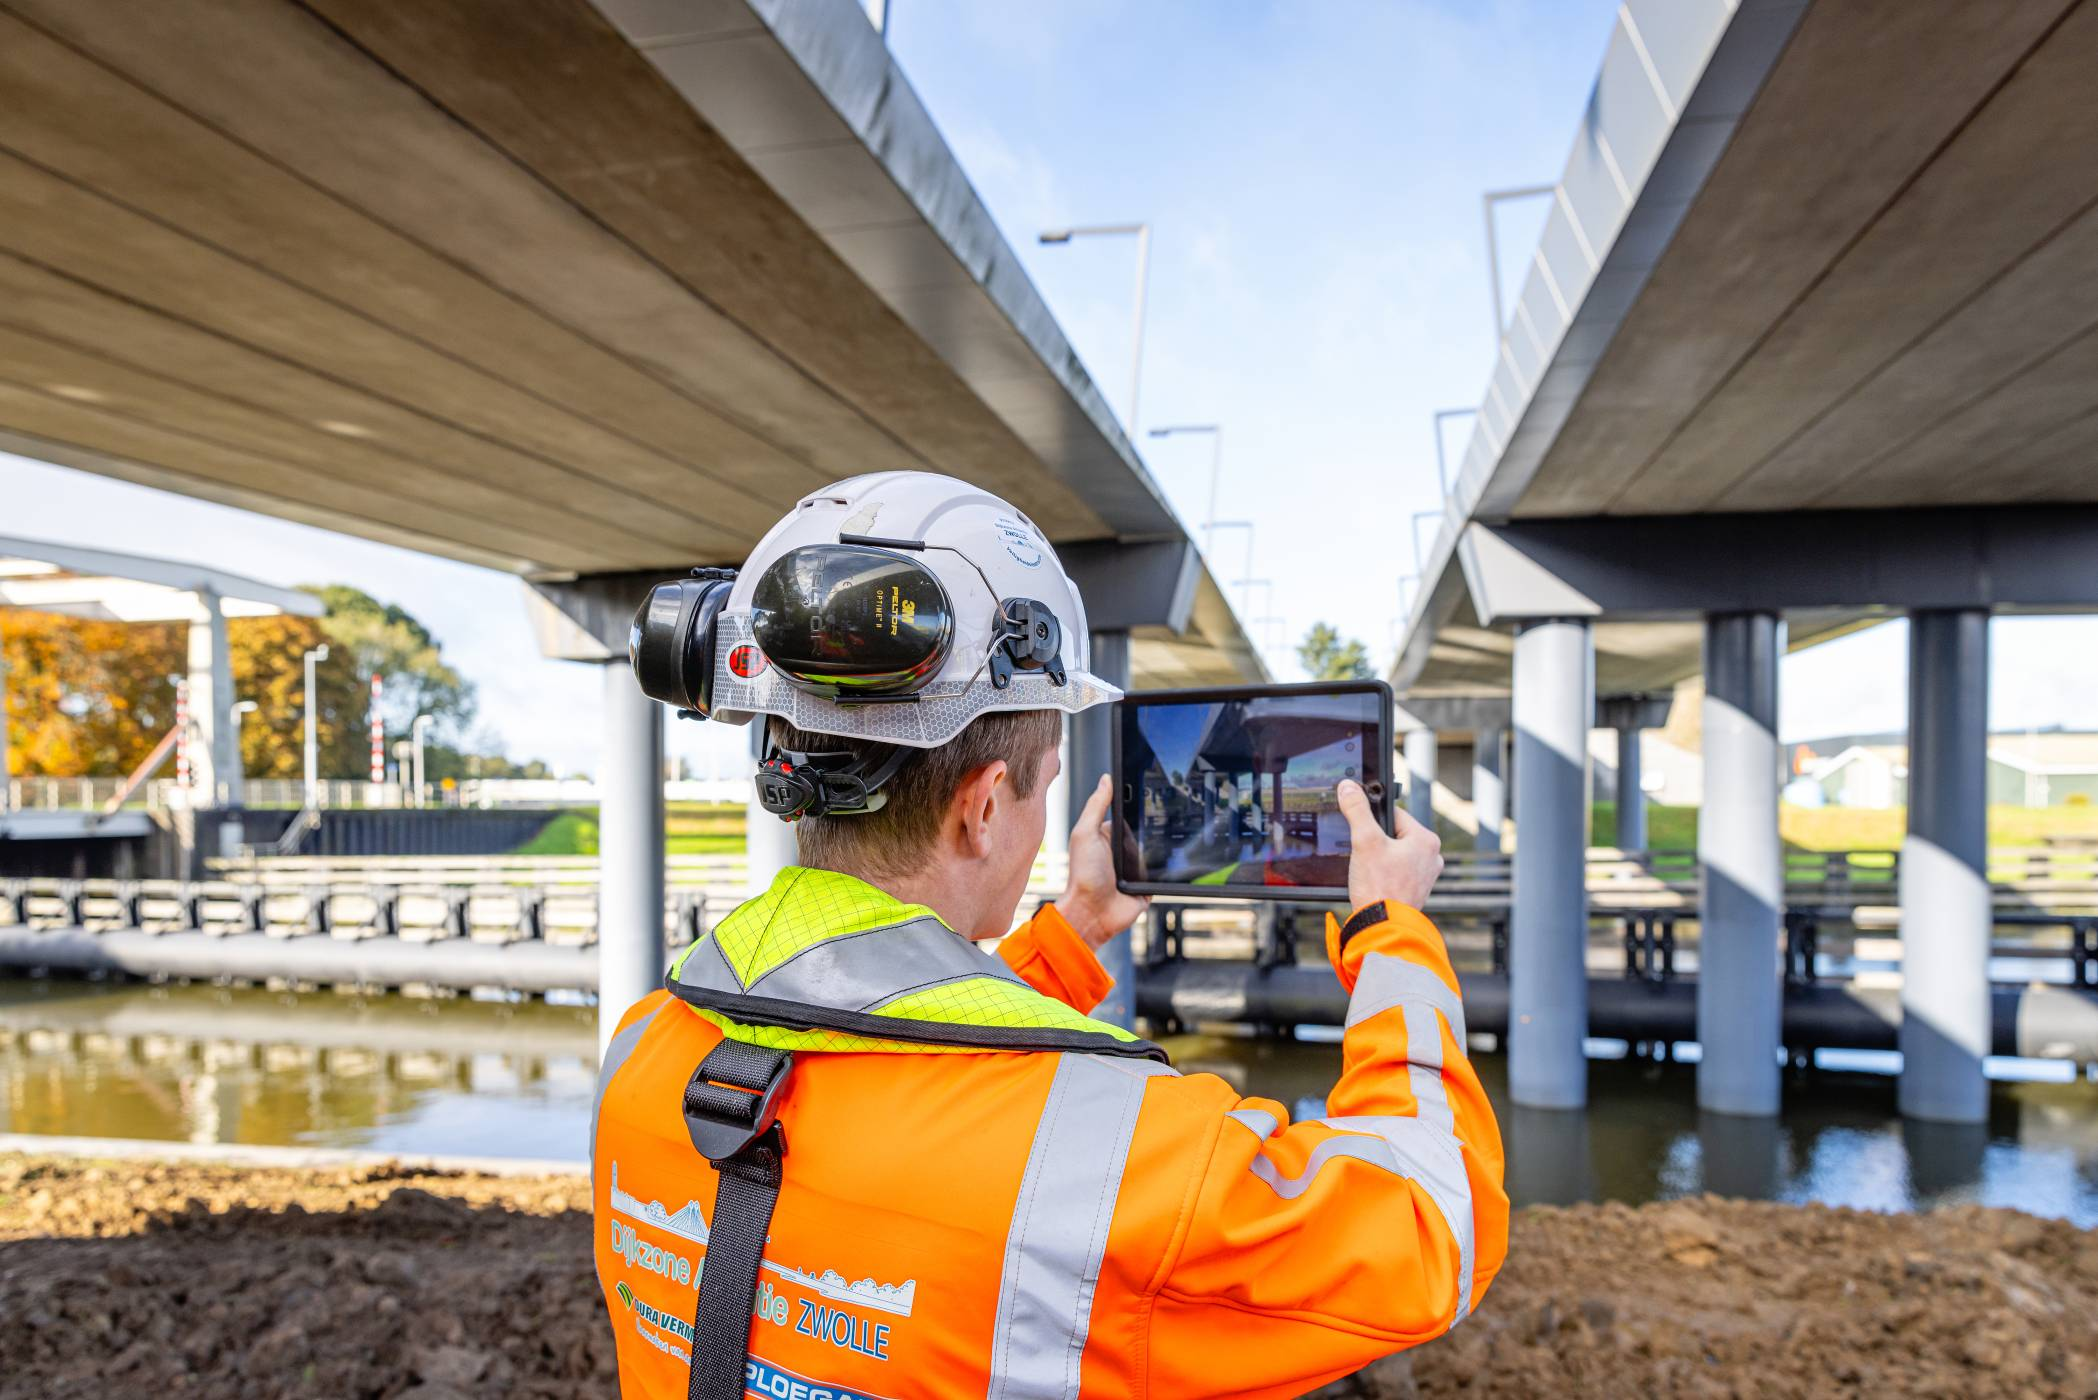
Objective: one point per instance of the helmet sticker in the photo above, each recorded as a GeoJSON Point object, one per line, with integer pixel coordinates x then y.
{"type": "Point", "coordinates": [1020, 542]}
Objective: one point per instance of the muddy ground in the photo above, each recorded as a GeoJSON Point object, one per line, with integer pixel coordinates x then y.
{"type": "Point", "coordinates": [129, 1278]}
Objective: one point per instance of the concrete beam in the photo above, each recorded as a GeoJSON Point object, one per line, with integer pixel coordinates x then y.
{"type": "Point", "coordinates": [587, 618]}
{"type": "Point", "coordinates": [1452, 714]}
{"type": "Point", "coordinates": [1654, 568]}
{"type": "Point", "coordinates": [1126, 586]}
{"type": "Point", "coordinates": [1632, 711]}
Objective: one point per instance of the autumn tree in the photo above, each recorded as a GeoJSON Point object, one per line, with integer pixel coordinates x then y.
{"type": "Point", "coordinates": [93, 698]}
{"type": "Point", "coordinates": [1328, 657]}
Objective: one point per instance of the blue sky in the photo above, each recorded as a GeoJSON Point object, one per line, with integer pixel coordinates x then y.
{"type": "Point", "coordinates": [1312, 172]}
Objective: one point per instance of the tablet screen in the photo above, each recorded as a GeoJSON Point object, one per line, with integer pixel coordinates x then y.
{"type": "Point", "coordinates": [1228, 793]}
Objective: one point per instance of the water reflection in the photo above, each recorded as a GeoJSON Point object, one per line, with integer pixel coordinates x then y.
{"type": "Point", "coordinates": [209, 1064]}
{"type": "Point", "coordinates": [1841, 1140]}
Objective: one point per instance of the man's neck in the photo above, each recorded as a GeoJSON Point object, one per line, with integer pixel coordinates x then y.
{"type": "Point", "coordinates": [946, 892]}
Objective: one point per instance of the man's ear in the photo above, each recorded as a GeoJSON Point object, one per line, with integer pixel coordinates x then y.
{"type": "Point", "coordinates": [977, 802]}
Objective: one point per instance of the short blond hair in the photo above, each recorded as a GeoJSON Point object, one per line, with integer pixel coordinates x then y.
{"type": "Point", "coordinates": [893, 839]}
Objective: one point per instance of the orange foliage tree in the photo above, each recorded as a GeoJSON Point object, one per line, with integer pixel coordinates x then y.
{"type": "Point", "coordinates": [89, 699]}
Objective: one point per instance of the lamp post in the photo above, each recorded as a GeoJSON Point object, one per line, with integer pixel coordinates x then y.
{"type": "Point", "coordinates": [1142, 234]}
{"type": "Point", "coordinates": [1216, 471]}
{"type": "Point", "coordinates": [1267, 585]}
{"type": "Point", "coordinates": [313, 741]}
{"type": "Point", "coordinates": [1245, 525]}
{"type": "Point", "coordinates": [1442, 471]}
{"type": "Point", "coordinates": [415, 739]}
{"type": "Point", "coordinates": [1492, 199]}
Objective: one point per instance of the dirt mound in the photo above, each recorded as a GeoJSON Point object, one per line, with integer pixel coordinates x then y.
{"type": "Point", "coordinates": [131, 1278]}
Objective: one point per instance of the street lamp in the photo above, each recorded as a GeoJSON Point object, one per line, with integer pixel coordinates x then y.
{"type": "Point", "coordinates": [1216, 470]}
{"type": "Point", "coordinates": [1249, 584]}
{"type": "Point", "coordinates": [1245, 525]}
{"type": "Point", "coordinates": [415, 739]}
{"type": "Point", "coordinates": [1442, 471]}
{"type": "Point", "coordinates": [1492, 199]}
{"type": "Point", "coordinates": [313, 740]}
{"type": "Point", "coordinates": [1142, 234]}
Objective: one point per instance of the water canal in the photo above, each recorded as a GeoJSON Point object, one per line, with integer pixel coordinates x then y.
{"type": "Point", "coordinates": [492, 1078]}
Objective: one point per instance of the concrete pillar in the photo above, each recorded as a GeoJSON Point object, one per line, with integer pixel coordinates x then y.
{"type": "Point", "coordinates": [1945, 910]}
{"type": "Point", "coordinates": [7, 771]}
{"type": "Point", "coordinates": [1548, 934]}
{"type": "Point", "coordinates": [1092, 750]}
{"type": "Point", "coordinates": [1420, 776]}
{"type": "Point", "coordinates": [1056, 839]}
{"type": "Point", "coordinates": [769, 844]}
{"type": "Point", "coordinates": [1742, 916]}
{"type": "Point", "coordinates": [1631, 797]}
{"type": "Point", "coordinates": [1489, 790]}
{"type": "Point", "coordinates": [215, 755]}
{"type": "Point", "coordinates": [629, 850]}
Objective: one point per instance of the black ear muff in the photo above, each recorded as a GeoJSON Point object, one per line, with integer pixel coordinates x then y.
{"type": "Point", "coordinates": [1029, 639]}
{"type": "Point", "coordinates": [671, 643]}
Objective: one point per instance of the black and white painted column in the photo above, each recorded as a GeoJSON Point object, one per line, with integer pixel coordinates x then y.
{"type": "Point", "coordinates": [1092, 752]}
{"type": "Point", "coordinates": [630, 938]}
{"type": "Point", "coordinates": [1548, 934]}
{"type": "Point", "coordinates": [1421, 757]}
{"type": "Point", "coordinates": [1489, 788]}
{"type": "Point", "coordinates": [1945, 908]}
{"type": "Point", "coordinates": [1739, 987]}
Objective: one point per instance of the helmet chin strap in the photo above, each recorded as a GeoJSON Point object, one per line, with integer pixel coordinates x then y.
{"type": "Point", "coordinates": [793, 785]}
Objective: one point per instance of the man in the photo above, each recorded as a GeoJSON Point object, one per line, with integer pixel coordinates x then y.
{"type": "Point", "coordinates": [909, 1167]}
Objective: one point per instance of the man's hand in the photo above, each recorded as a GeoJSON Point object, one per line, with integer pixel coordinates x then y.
{"type": "Point", "coordinates": [1090, 903]}
{"type": "Point", "coordinates": [1397, 869]}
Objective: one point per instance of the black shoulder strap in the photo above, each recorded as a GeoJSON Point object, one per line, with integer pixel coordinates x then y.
{"type": "Point", "coordinates": [731, 1111]}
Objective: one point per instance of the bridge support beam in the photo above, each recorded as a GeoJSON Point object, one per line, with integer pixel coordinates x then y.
{"type": "Point", "coordinates": [1421, 758]}
{"type": "Point", "coordinates": [1489, 788]}
{"type": "Point", "coordinates": [1092, 752]}
{"type": "Point", "coordinates": [1945, 907]}
{"type": "Point", "coordinates": [1548, 936]}
{"type": "Point", "coordinates": [1738, 987]}
{"type": "Point", "coordinates": [630, 850]}
{"type": "Point", "coordinates": [1631, 796]}
{"type": "Point", "coordinates": [214, 764]}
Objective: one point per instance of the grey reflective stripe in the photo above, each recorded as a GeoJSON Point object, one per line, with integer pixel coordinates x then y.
{"type": "Point", "coordinates": [1424, 1066]}
{"type": "Point", "coordinates": [1433, 1159]}
{"type": "Point", "coordinates": [1405, 1147]}
{"type": "Point", "coordinates": [1262, 1122]}
{"type": "Point", "coordinates": [856, 971]}
{"type": "Point", "coordinates": [616, 1055]}
{"type": "Point", "coordinates": [1058, 1234]}
{"type": "Point", "coordinates": [1387, 981]}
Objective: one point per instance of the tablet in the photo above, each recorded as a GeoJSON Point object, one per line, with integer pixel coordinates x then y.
{"type": "Point", "coordinates": [1230, 793]}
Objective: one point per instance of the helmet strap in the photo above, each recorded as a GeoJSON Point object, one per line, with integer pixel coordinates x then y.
{"type": "Point", "coordinates": [793, 785]}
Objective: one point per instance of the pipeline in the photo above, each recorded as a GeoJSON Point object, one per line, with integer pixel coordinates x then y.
{"type": "Point", "coordinates": [2040, 1021]}
{"type": "Point", "coordinates": [458, 963]}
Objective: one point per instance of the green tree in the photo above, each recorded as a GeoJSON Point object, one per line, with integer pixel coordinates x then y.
{"type": "Point", "coordinates": [1329, 657]}
{"type": "Point", "coordinates": [383, 639]}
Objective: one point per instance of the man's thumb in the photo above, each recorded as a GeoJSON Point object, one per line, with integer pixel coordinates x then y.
{"type": "Point", "coordinates": [1355, 806]}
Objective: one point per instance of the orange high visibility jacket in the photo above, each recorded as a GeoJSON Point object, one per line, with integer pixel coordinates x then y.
{"type": "Point", "coordinates": [959, 1219]}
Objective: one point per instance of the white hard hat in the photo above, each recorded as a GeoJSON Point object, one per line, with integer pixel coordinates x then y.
{"type": "Point", "coordinates": [898, 607]}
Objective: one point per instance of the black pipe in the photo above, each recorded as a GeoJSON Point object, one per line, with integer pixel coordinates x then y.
{"type": "Point", "coordinates": [2040, 1021]}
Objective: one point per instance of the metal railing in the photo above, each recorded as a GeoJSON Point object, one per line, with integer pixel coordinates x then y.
{"type": "Point", "coordinates": [343, 794]}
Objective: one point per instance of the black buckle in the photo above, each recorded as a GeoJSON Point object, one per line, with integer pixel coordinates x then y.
{"type": "Point", "coordinates": [733, 1096]}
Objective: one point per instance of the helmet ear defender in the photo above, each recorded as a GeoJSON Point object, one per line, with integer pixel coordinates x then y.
{"type": "Point", "coordinates": [671, 643]}
{"type": "Point", "coordinates": [855, 620]}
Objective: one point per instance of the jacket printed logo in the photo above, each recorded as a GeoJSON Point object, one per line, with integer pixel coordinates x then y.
{"type": "Point", "coordinates": [761, 1377]}
{"type": "Point", "coordinates": [690, 1222]}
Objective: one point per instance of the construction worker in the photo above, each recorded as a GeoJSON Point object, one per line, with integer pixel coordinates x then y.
{"type": "Point", "coordinates": [847, 1153]}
